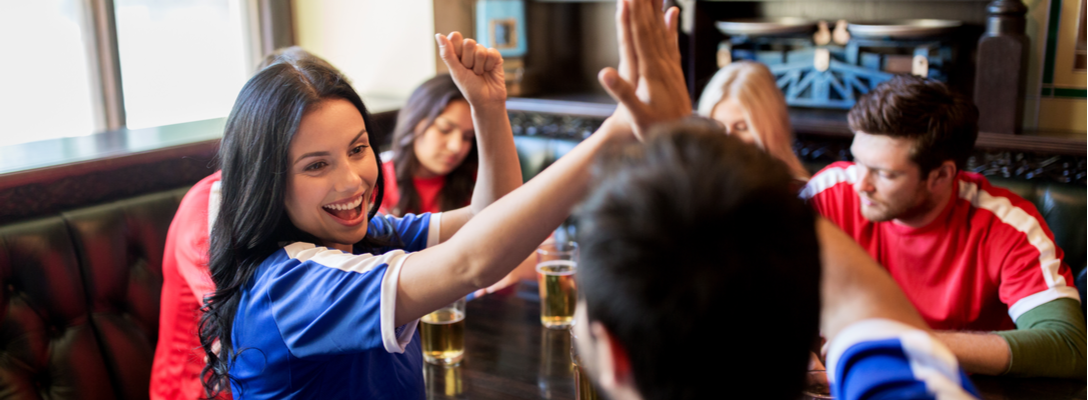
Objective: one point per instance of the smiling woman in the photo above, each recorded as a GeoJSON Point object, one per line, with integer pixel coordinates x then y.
{"type": "Point", "coordinates": [333, 171]}
{"type": "Point", "coordinates": [307, 275]}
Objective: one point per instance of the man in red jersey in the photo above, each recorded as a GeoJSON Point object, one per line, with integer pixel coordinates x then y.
{"type": "Point", "coordinates": [978, 261]}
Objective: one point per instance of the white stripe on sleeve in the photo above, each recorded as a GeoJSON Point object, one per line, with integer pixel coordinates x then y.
{"type": "Point", "coordinates": [827, 179]}
{"type": "Point", "coordinates": [1021, 221]}
{"type": "Point", "coordinates": [394, 342]}
{"type": "Point", "coordinates": [434, 229]}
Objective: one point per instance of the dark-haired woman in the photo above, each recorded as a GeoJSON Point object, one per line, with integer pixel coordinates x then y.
{"type": "Point", "coordinates": [434, 161]}
{"type": "Point", "coordinates": [315, 296]}
{"type": "Point", "coordinates": [433, 167]}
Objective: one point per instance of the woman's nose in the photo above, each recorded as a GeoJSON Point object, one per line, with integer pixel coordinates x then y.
{"type": "Point", "coordinates": [454, 143]}
{"type": "Point", "coordinates": [347, 180]}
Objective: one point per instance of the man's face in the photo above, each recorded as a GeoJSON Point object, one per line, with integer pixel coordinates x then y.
{"type": "Point", "coordinates": [889, 185]}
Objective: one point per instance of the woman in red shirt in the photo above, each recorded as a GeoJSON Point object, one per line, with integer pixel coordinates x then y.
{"type": "Point", "coordinates": [433, 167]}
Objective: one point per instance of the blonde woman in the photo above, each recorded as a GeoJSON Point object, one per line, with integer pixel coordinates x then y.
{"type": "Point", "coordinates": [744, 98]}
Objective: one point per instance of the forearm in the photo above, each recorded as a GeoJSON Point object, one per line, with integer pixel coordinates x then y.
{"type": "Point", "coordinates": [978, 352]}
{"type": "Point", "coordinates": [499, 171]}
{"type": "Point", "coordinates": [854, 287]}
{"type": "Point", "coordinates": [496, 240]}
{"type": "Point", "coordinates": [515, 225]}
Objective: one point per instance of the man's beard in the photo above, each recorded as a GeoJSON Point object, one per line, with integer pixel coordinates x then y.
{"type": "Point", "coordinates": [922, 202]}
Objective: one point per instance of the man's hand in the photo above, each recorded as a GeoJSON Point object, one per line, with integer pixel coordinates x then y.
{"type": "Point", "coordinates": [650, 84]}
{"type": "Point", "coordinates": [476, 70]}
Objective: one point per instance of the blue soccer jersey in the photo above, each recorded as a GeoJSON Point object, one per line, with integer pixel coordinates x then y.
{"type": "Point", "coordinates": [318, 323]}
{"type": "Point", "coordinates": [884, 359]}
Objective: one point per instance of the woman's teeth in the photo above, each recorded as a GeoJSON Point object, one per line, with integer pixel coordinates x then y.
{"type": "Point", "coordinates": [347, 206]}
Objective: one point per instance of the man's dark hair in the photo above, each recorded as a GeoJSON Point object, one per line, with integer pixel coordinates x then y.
{"type": "Point", "coordinates": [696, 251]}
{"type": "Point", "coordinates": [943, 123]}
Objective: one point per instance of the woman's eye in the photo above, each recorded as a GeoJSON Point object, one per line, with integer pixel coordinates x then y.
{"type": "Point", "coordinates": [316, 166]}
{"type": "Point", "coordinates": [357, 149]}
{"type": "Point", "coordinates": [740, 127]}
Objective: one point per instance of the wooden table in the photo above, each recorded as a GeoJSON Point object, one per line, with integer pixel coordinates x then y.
{"type": "Point", "coordinates": [509, 355]}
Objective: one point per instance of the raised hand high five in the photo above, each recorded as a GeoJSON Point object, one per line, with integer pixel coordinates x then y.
{"type": "Point", "coordinates": [476, 70]}
{"type": "Point", "coordinates": [650, 83]}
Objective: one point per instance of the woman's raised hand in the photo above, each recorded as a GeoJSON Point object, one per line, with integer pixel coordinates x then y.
{"type": "Point", "coordinates": [476, 70]}
{"type": "Point", "coordinates": [650, 84]}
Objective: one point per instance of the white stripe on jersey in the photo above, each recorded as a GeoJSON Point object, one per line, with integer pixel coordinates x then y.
{"type": "Point", "coordinates": [1025, 223]}
{"type": "Point", "coordinates": [393, 339]}
{"type": "Point", "coordinates": [828, 179]}
{"type": "Point", "coordinates": [434, 228]}
{"type": "Point", "coordinates": [930, 361]}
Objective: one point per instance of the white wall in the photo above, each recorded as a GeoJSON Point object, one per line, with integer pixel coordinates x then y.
{"type": "Point", "coordinates": [386, 48]}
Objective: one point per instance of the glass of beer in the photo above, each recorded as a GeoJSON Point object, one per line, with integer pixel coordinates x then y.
{"type": "Point", "coordinates": [556, 262]}
{"type": "Point", "coordinates": [443, 334]}
{"type": "Point", "coordinates": [583, 386]}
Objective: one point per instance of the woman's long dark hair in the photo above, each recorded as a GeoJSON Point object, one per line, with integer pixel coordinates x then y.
{"type": "Point", "coordinates": [252, 223]}
{"type": "Point", "coordinates": [424, 105]}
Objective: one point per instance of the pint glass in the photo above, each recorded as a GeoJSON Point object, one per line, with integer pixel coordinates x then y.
{"type": "Point", "coordinates": [556, 263]}
{"type": "Point", "coordinates": [443, 334]}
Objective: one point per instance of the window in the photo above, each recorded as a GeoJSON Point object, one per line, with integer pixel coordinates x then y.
{"type": "Point", "coordinates": [180, 61]}
{"type": "Point", "coordinates": [47, 86]}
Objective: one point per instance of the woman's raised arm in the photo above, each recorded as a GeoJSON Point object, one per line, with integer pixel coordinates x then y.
{"type": "Point", "coordinates": [499, 237]}
{"type": "Point", "coordinates": [478, 73]}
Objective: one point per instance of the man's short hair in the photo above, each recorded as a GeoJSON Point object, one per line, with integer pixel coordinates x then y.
{"type": "Point", "coordinates": [696, 250]}
{"type": "Point", "coordinates": [943, 123]}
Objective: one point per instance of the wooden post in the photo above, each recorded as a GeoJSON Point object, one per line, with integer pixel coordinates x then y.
{"type": "Point", "coordinates": [1001, 68]}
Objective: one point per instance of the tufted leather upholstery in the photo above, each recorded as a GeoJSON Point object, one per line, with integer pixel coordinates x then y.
{"type": "Point", "coordinates": [50, 349]}
{"type": "Point", "coordinates": [1065, 208]}
{"type": "Point", "coordinates": [80, 300]}
{"type": "Point", "coordinates": [120, 246]}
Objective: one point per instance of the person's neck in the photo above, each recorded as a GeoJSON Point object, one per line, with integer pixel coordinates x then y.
{"type": "Point", "coordinates": [423, 173]}
{"type": "Point", "coordinates": [936, 206]}
{"type": "Point", "coordinates": [339, 246]}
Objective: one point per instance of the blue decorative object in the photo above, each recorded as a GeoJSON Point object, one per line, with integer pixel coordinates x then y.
{"type": "Point", "coordinates": [848, 72]}
{"type": "Point", "coordinates": [501, 24]}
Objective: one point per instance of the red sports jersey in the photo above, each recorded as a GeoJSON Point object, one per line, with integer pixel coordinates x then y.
{"type": "Point", "coordinates": [988, 258]}
{"type": "Point", "coordinates": [427, 189]}
{"type": "Point", "coordinates": [179, 357]}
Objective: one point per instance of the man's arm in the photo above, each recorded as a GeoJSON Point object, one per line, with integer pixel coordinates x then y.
{"type": "Point", "coordinates": [854, 287]}
{"type": "Point", "coordinates": [978, 352]}
{"type": "Point", "coordinates": [1049, 341]}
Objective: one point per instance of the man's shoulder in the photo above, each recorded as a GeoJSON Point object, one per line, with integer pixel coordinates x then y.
{"type": "Point", "coordinates": [830, 178]}
{"type": "Point", "coordinates": [1006, 205]}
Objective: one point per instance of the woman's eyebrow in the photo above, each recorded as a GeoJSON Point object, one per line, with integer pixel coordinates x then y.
{"type": "Point", "coordinates": [311, 154]}
{"type": "Point", "coordinates": [325, 153]}
{"type": "Point", "coordinates": [357, 136]}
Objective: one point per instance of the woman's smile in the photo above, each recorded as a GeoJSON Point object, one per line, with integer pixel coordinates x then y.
{"type": "Point", "coordinates": [349, 212]}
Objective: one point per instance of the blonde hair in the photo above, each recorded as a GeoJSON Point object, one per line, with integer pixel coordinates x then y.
{"type": "Point", "coordinates": [753, 86]}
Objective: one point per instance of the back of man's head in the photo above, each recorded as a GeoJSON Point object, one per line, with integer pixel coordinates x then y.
{"type": "Point", "coordinates": [696, 251]}
{"type": "Point", "coordinates": [943, 123]}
